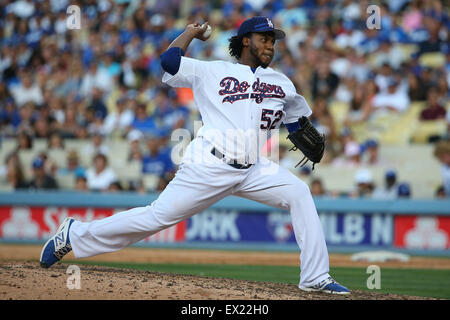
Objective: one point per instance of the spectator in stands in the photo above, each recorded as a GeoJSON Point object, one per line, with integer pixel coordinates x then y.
{"type": "Point", "coordinates": [433, 43]}
{"type": "Point", "coordinates": [157, 161]}
{"type": "Point", "coordinates": [115, 187]}
{"type": "Point", "coordinates": [417, 91]}
{"type": "Point", "coordinates": [118, 121]}
{"type": "Point", "coordinates": [442, 153]}
{"type": "Point", "coordinates": [95, 125]}
{"type": "Point", "coordinates": [97, 105]}
{"type": "Point", "coordinates": [142, 121]}
{"type": "Point", "coordinates": [440, 192]}
{"type": "Point", "coordinates": [364, 184]}
{"type": "Point", "coordinates": [26, 112]}
{"type": "Point", "coordinates": [371, 153]}
{"type": "Point", "coordinates": [351, 157]}
{"type": "Point", "coordinates": [447, 118]}
{"type": "Point", "coordinates": [73, 165]}
{"type": "Point", "coordinates": [9, 115]}
{"type": "Point", "coordinates": [100, 176]}
{"type": "Point", "coordinates": [394, 100]}
{"type": "Point", "coordinates": [5, 94]}
{"type": "Point", "coordinates": [169, 111]}
{"type": "Point", "coordinates": [135, 153]}
{"type": "Point", "coordinates": [390, 188]}
{"type": "Point", "coordinates": [404, 190]}
{"type": "Point", "coordinates": [41, 180]}
{"type": "Point", "coordinates": [322, 119]}
{"type": "Point", "coordinates": [71, 125]}
{"type": "Point", "coordinates": [55, 141]}
{"type": "Point", "coordinates": [434, 109]}
{"type": "Point", "coordinates": [137, 186]}
{"type": "Point", "coordinates": [304, 172]}
{"type": "Point", "coordinates": [96, 145]}
{"type": "Point", "coordinates": [317, 188]}
{"type": "Point", "coordinates": [383, 76]}
{"type": "Point", "coordinates": [24, 141]}
{"type": "Point", "coordinates": [81, 183]}
{"type": "Point", "coordinates": [360, 106]}
{"type": "Point", "coordinates": [11, 174]}
{"type": "Point", "coordinates": [27, 91]}
{"type": "Point", "coordinates": [443, 83]}
{"type": "Point", "coordinates": [41, 128]}
{"type": "Point", "coordinates": [324, 81]}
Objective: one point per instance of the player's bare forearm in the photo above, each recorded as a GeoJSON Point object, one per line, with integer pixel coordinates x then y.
{"type": "Point", "coordinates": [192, 31]}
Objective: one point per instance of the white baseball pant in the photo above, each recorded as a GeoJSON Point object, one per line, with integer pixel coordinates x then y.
{"type": "Point", "coordinates": [201, 181]}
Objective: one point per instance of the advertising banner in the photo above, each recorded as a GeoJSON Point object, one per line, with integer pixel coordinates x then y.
{"type": "Point", "coordinates": [39, 223]}
{"type": "Point", "coordinates": [212, 225]}
{"type": "Point", "coordinates": [422, 232]}
{"type": "Point", "coordinates": [340, 229]}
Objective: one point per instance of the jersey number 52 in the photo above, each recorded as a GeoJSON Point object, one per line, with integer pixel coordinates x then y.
{"type": "Point", "coordinates": [269, 120]}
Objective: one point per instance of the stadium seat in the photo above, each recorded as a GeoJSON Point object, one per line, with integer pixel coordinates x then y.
{"type": "Point", "coordinates": [128, 172]}
{"type": "Point", "coordinates": [426, 129]}
{"type": "Point", "coordinates": [5, 187]}
{"type": "Point", "coordinates": [338, 111]}
{"type": "Point", "coordinates": [7, 146]}
{"type": "Point", "coordinates": [65, 181]}
{"type": "Point", "coordinates": [76, 144]}
{"type": "Point", "coordinates": [432, 60]}
{"type": "Point", "coordinates": [26, 159]}
{"type": "Point", "coordinates": [150, 182]}
{"type": "Point", "coordinates": [408, 50]}
{"type": "Point", "coordinates": [59, 157]}
{"type": "Point", "coordinates": [40, 144]}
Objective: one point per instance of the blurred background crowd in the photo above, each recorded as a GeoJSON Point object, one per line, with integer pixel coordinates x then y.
{"type": "Point", "coordinates": [86, 110]}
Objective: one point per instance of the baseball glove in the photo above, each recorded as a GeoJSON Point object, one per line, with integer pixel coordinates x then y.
{"type": "Point", "coordinates": [309, 141]}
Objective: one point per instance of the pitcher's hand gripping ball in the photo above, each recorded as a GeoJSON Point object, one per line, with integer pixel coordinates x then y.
{"type": "Point", "coordinates": [309, 141]}
{"type": "Point", "coordinates": [207, 32]}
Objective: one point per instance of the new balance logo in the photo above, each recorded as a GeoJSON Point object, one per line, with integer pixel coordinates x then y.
{"type": "Point", "coordinates": [59, 240]}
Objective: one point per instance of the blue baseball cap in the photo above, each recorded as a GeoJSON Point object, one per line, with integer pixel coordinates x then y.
{"type": "Point", "coordinates": [259, 24]}
{"type": "Point", "coordinates": [390, 174]}
{"type": "Point", "coordinates": [38, 163]}
{"type": "Point", "coordinates": [404, 190]}
{"type": "Point", "coordinates": [371, 143]}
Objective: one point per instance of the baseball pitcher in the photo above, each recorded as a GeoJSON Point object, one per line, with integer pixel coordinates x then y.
{"type": "Point", "coordinates": [239, 103]}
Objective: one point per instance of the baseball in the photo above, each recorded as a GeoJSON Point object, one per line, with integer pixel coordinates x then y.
{"type": "Point", "coordinates": [207, 32]}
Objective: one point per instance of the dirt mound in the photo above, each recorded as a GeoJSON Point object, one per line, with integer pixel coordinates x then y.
{"type": "Point", "coordinates": [27, 280]}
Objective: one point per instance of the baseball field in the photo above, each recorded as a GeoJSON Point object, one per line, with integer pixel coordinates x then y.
{"type": "Point", "coordinates": [188, 274]}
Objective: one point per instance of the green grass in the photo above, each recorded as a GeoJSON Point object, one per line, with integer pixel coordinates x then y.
{"type": "Point", "coordinates": [413, 282]}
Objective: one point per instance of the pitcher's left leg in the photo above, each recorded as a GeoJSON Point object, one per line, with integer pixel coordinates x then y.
{"type": "Point", "coordinates": [284, 190]}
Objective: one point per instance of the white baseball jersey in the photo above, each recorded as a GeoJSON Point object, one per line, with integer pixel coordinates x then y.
{"type": "Point", "coordinates": [238, 106]}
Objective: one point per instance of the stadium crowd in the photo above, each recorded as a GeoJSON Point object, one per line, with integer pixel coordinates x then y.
{"type": "Point", "coordinates": [103, 81]}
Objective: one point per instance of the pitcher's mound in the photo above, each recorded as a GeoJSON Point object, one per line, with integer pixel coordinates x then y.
{"type": "Point", "coordinates": [27, 280]}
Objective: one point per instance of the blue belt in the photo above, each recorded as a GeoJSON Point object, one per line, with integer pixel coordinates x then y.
{"type": "Point", "coordinates": [234, 164]}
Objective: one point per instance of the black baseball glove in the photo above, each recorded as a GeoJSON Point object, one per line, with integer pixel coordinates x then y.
{"type": "Point", "coordinates": [309, 141]}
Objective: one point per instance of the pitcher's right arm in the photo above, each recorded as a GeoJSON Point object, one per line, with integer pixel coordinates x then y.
{"type": "Point", "coordinates": [171, 58]}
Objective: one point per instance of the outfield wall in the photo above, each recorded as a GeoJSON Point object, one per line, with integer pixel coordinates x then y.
{"type": "Point", "coordinates": [412, 226]}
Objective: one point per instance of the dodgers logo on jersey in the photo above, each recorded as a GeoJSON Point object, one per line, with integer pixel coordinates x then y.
{"type": "Point", "coordinates": [236, 90]}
